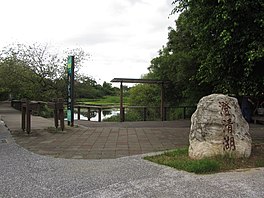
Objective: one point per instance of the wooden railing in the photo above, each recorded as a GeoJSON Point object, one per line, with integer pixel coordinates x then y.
{"type": "Point", "coordinates": [89, 108]}
{"type": "Point", "coordinates": [27, 107]}
{"type": "Point", "coordinates": [145, 111]}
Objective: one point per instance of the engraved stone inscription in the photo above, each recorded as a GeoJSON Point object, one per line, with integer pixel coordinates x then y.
{"type": "Point", "coordinates": [228, 140]}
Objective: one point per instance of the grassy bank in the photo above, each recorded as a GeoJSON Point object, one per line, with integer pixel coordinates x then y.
{"type": "Point", "coordinates": [107, 100]}
{"type": "Point", "coordinates": [180, 160]}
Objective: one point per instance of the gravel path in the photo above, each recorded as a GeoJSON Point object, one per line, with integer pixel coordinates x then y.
{"type": "Point", "coordinates": [25, 174]}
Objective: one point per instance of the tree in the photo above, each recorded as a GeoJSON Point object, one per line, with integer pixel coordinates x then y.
{"type": "Point", "coordinates": [108, 89]}
{"type": "Point", "coordinates": [217, 46]}
{"type": "Point", "coordinates": [35, 64]}
{"type": "Point", "coordinates": [178, 62]}
{"type": "Point", "coordinates": [86, 87]}
{"type": "Point", "coordinates": [16, 80]}
{"type": "Point", "coordinates": [144, 95]}
{"type": "Point", "coordinates": [229, 40]}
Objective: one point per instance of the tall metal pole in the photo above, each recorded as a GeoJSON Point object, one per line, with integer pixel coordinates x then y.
{"type": "Point", "coordinates": [70, 99]}
{"type": "Point", "coordinates": [72, 92]}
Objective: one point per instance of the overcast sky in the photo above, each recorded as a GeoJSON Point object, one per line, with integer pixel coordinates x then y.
{"type": "Point", "coordinates": [122, 36]}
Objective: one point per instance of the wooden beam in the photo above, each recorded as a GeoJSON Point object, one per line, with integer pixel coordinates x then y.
{"type": "Point", "coordinates": [133, 80]}
{"type": "Point", "coordinates": [162, 102]}
{"type": "Point", "coordinates": [147, 81]}
{"type": "Point", "coordinates": [121, 103]}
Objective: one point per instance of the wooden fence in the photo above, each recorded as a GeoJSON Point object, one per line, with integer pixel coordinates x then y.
{"type": "Point", "coordinates": [143, 109]}
{"type": "Point", "coordinates": [27, 107]}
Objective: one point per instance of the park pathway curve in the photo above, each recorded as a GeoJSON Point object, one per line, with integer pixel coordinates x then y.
{"type": "Point", "coordinates": [25, 174]}
{"type": "Point", "coordinates": [93, 140]}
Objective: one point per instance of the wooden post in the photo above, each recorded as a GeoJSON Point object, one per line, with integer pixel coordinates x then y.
{"type": "Point", "coordinates": [99, 114]}
{"type": "Point", "coordinates": [89, 113]}
{"type": "Point", "coordinates": [123, 114]}
{"type": "Point", "coordinates": [23, 111]}
{"type": "Point", "coordinates": [79, 112]}
{"type": "Point", "coordinates": [23, 121]}
{"type": "Point", "coordinates": [28, 112]}
{"type": "Point", "coordinates": [55, 111]}
{"type": "Point", "coordinates": [121, 103]}
{"type": "Point", "coordinates": [61, 113]}
{"type": "Point", "coordinates": [162, 102]}
{"type": "Point", "coordinates": [184, 112]}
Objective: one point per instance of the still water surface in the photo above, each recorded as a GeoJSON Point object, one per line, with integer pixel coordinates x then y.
{"type": "Point", "coordinates": [107, 113]}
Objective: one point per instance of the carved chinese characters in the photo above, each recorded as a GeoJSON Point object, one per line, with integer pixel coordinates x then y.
{"type": "Point", "coordinates": [229, 141]}
{"type": "Point", "coordinates": [218, 128]}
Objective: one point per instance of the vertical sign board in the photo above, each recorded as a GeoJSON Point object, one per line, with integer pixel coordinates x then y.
{"type": "Point", "coordinates": [70, 91]}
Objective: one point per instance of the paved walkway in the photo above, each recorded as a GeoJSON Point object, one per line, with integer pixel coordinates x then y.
{"type": "Point", "coordinates": [93, 140]}
{"type": "Point", "coordinates": [27, 175]}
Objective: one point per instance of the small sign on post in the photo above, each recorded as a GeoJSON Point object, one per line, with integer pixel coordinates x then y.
{"type": "Point", "coordinates": [70, 91]}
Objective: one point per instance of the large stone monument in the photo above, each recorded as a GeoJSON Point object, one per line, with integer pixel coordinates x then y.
{"type": "Point", "coordinates": [218, 128]}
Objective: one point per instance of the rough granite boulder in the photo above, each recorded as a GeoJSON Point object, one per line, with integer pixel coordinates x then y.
{"type": "Point", "coordinates": [218, 128]}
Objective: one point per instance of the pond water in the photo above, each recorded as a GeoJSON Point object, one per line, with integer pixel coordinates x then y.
{"type": "Point", "coordinates": [107, 113]}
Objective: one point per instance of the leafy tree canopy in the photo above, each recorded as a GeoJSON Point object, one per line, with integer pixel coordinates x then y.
{"type": "Point", "coordinates": [217, 46]}
{"type": "Point", "coordinates": [228, 37]}
{"type": "Point", "coordinates": [34, 72]}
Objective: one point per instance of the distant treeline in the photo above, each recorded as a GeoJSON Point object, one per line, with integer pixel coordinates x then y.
{"type": "Point", "coordinates": [33, 72]}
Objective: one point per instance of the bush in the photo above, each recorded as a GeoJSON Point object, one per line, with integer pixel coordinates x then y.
{"type": "Point", "coordinates": [46, 112]}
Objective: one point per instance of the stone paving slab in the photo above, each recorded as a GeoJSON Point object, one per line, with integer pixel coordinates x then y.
{"type": "Point", "coordinates": [91, 143]}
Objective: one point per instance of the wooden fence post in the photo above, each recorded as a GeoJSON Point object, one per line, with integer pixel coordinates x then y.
{"type": "Point", "coordinates": [61, 113]}
{"type": "Point", "coordinates": [99, 114]}
{"type": "Point", "coordinates": [145, 113]}
{"type": "Point", "coordinates": [121, 103]}
{"type": "Point", "coordinates": [28, 115]}
{"type": "Point", "coordinates": [122, 115]}
{"type": "Point", "coordinates": [55, 111]}
{"type": "Point", "coordinates": [23, 111]}
{"type": "Point", "coordinates": [89, 114]}
{"type": "Point", "coordinates": [79, 112]}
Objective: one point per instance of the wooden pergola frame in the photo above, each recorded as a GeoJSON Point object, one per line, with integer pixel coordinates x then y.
{"type": "Point", "coordinates": [146, 81]}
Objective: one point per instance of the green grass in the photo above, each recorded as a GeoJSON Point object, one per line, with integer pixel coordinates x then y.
{"type": "Point", "coordinates": [180, 160]}
{"type": "Point", "coordinates": [107, 100]}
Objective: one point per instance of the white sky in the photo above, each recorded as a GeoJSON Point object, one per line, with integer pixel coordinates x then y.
{"type": "Point", "coordinates": [122, 36]}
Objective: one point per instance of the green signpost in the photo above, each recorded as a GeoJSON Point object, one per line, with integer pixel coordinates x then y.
{"type": "Point", "coordinates": [70, 91]}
